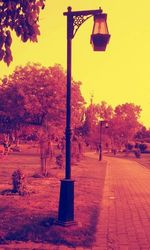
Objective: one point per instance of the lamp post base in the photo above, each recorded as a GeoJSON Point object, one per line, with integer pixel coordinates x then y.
{"type": "Point", "coordinates": [66, 203]}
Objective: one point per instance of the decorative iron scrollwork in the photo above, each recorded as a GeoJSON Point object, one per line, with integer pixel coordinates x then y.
{"type": "Point", "coordinates": [78, 21]}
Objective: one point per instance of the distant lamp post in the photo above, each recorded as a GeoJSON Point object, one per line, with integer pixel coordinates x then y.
{"type": "Point", "coordinates": [100, 35]}
{"type": "Point", "coordinates": [74, 20]}
{"type": "Point", "coordinates": [102, 123]}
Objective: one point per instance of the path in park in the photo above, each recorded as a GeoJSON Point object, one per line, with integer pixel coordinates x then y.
{"type": "Point", "coordinates": [124, 221]}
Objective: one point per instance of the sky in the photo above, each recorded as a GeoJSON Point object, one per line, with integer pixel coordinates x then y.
{"type": "Point", "coordinates": [120, 74]}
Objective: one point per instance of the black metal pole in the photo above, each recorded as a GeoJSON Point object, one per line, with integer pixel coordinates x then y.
{"type": "Point", "coordinates": [68, 97]}
{"type": "Point", "coordinates": [66, 201]}
{"type": "Point", "coordinates": [100, 143]}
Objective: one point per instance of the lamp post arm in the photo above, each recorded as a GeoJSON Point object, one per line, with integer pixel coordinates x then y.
{"type": "Point", "coordinates": [77, 18]}
{"type": "Point", "coordinates": [83, 12]}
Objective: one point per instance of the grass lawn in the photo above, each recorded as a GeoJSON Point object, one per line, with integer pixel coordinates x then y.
{"type": "Point", "coordinates": [30, 218]}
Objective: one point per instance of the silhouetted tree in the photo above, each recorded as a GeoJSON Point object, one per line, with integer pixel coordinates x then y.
{"type": "Point", "coordinates": [22, 17]}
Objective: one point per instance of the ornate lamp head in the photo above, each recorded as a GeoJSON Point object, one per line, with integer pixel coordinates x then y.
{"type": "Point", "coordinates": [100, 35]}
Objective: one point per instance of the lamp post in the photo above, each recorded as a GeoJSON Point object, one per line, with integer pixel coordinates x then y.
{"type": "Point", "coordinates": [99, 39]}
{"type": "Point", "coordinates": [101, 123]}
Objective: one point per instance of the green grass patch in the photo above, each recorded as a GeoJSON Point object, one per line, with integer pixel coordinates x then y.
{"type": "Point", "coordinates": [31, 218]}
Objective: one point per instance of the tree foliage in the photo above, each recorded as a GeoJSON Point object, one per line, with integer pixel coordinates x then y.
{"type": "Point", "coordinates": [124, 123]}
{"type": "Point", "coordinates": [37, 95]}
{"type": "Point", "coordinates": [104, 111]}
{"type": "Point", "coordinates": [143, 134]}
{"type": "Point", "coordinates": [89, 125]}
{"type": "Point", "coordinates": [94, 113]}
{"type": "Point", "coordinates": [21, 16]}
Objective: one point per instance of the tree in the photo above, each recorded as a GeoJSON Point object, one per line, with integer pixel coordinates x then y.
{"type": "Point", "coordinates": [124, 123]}
{"type": "Point", "coordinates": [21, 16]}
{"type": "Point", "coordinates": [35, 95]}
{"type": "Point", "coordinates": [104, 111]}
{"type": "Point", "coordinates": [77, 105]}
{"type": "Point", "coordinates": [94, 113]}
{"type": "Point", "coordinates": [143, 134]}
{"type": "Point", "coordinates": [89, 126]}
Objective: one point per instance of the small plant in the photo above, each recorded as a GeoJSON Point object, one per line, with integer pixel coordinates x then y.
{"type": "Point", "coordinates": [137, 153]}
{"type": "Point", "coordinates": [19, 183]}
{"type": "Point", "coordinates": [129, 146]}
{"type": "Point", "coordinates": [142, 147]}
{"type": "Point", "coordinates": [15, 149]}
{"type": "Point", "coordinates": [60, 160]}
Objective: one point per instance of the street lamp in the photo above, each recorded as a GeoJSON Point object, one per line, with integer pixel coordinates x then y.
{"type": "Point", "coordinates": [99, 40]}
{"type": "Point", "coordinates": [100, 36]}
{"type": "Point", "coordinates": [101, 124]}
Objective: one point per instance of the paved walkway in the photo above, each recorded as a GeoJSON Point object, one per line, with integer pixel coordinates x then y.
{"type": "Point", "coordinates": [124, 221]}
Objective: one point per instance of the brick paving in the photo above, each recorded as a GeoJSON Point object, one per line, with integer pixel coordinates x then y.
{"type": "Point", "coordinates": [124, 221]}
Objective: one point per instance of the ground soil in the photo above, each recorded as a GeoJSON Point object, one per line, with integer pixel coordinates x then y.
{"type": "Point", "coordinates": [30, 219]}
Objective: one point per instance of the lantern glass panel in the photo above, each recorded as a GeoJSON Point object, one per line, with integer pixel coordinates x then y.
{"type": "Point", "coordinates": [100, 25]}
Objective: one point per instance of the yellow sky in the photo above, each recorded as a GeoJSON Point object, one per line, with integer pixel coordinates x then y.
{"type": "Point", "coordinates": [119, 75]}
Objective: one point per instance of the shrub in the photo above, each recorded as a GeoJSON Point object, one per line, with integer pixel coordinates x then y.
{"type": "Point", "coordinates": [19, 183]}
{"type": "Point", "coordinates": [60, 160]}
{"type": "Point", "coordinates": [142, 147]}
{"type": "Point", "coordinates": [129, 146]}
{"type": "Point", "coordinates": [137, 145]}
{"type": "Point", "coordinates": [137, 153]}
{"type": "Point", "coordinates": [15, 149]}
